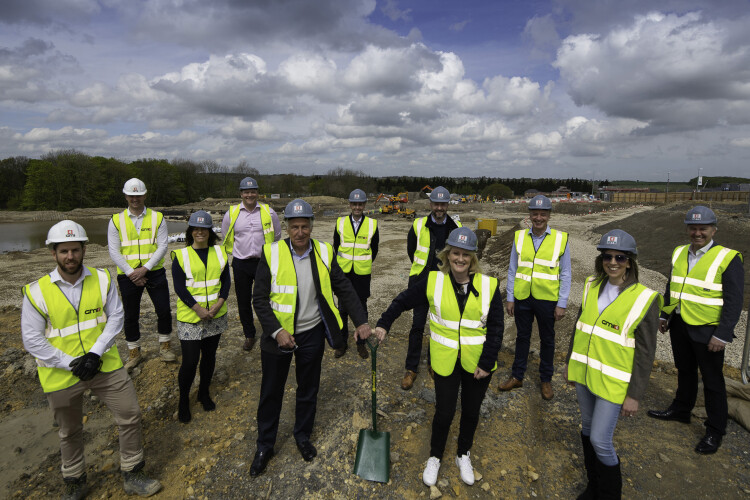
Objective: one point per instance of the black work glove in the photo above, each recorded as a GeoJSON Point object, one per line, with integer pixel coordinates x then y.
{"type": "Point", "coordinates": [86, 366]}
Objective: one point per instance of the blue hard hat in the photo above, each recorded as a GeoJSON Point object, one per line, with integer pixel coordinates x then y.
{"type": "Point", "coordinates": [201, 218]}
{"type": "Point", "coordinates": [358, 196]}
{"type": "Point", "coordinates": [700, 215]}
{"type": "Point", "coordinates": [248, 183]}
{"type": "Point", "coordinates": [463, 237]}
{"type": "Point", "coordinates": [617, 239]}
{"type": "Point", "coordinates": [298, 208]}
{"type": "Point", "coordinates": [440, 195]}
{"type": "Point", "coordinates": [540, 202]}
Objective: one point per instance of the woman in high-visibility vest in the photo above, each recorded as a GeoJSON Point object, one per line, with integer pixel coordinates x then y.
{"type": "Point", "coordinates": [201, 280]}
{"type": "Point", "coordinates": [466, 331]}
{"type": "Point", "coordinates": [610, 357]}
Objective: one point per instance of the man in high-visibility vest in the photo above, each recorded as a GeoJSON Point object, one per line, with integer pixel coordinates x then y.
{"type": "Point", "coordinates": [425, 240]}
{"type": "Point", "coordinates": [69, 321]}
{"type": "Point", "coordinates": [137, 240]}
{"type": "Point", "coordinates": [703, 302]}
{"type": "Point", "coordinates": [538, 286]}
{"type": "Point", "coordinates": [293, 298]}
{"type": "Point", "coordinates": [355, 241]}
{"type": "Point", "coordinates": [246, 227]}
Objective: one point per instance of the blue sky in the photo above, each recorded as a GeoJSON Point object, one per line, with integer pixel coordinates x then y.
{"type": "Point", "coordinates": [560, 88]}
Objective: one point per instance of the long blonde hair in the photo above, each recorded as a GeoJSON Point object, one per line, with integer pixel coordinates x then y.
{"type": "Point", "coordinates": [445, 266]}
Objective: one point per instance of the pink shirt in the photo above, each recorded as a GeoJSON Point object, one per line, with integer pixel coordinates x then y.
{"type": "Point", "coordinates": [248, 232]}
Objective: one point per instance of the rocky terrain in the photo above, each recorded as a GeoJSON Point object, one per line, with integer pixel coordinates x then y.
{"type": "Point", "coordinates": [524, 448]}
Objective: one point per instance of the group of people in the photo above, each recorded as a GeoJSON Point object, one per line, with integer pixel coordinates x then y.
{"type": "Point", "coordinates": [304, 291]}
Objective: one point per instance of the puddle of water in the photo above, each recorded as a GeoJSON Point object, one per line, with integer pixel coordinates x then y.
{"type": "Point", "coordinates": [25, 236]}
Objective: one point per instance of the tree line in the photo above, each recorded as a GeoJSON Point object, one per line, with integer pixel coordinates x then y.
{"type": "Point", "coordinates": [68, 179]}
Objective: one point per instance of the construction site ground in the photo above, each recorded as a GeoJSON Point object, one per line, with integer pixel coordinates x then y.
{"type": "Point", "coordinates": [524, 447]}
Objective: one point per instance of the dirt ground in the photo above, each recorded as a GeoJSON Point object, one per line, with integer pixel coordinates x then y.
{"type": "Point", "coordinates": [524, 447]}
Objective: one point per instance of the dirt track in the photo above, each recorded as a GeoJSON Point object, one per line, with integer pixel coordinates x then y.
{"type": "Point", "coordinates": [519, 438]}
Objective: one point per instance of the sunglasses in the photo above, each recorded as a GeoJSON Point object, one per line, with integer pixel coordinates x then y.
{"type": "Point", "coordinates": [288, 351]}
{"type": "Point", "coordinates": [619, 258]}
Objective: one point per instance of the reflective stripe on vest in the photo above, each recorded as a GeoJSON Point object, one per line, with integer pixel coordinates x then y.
{"type": "Point", "coordinates": [450, 330]}
{"type": "Point", "coordinates": [354, 251]}
{"type": "Point", "coordinates": [73, 332]}
{"type": "Point", "coordinates": [604, 344]}
{"type": "Point", "coordinates": [202, 281]}
{"type": "Point", "coordinates": [265, 220]}
{"type": "Point", "coordinates": [422, 252]}
{"type": "Point", "coordinates": [283, 294]}
{"type": "Point", "coordinates": [699, 293]}
{"type": "Point", "coordinates": [538, 271]}
{"type": "Point", "coordinates": [138, 246]}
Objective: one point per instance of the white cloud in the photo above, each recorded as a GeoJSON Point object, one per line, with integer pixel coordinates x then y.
{"type": "Point", "coordinates": [676, 72]}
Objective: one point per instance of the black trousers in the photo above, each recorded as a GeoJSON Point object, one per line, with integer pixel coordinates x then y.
{"type": "Point", "coordinates": [524, 312]}
{"type": "Point", "coordinates": [446, 398]}
{"type": "Point", "coordinates": [158, 290]}
{"type": "Point", "coordinates": [689, 356]}
{"type": "Point", "coordinates": [308, 357]}
{"type": "Point", "coordinates": [361, 286]}
{"type": "Point", "coordinates": [244, 276]}
{"type": "Point", "coordinates": [419, 318]}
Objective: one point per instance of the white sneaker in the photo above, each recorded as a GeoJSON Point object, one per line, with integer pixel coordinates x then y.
{"type": "Point", "coordinates": [429, 476]}
{"type": "Point", "coordinates": [467, 471]}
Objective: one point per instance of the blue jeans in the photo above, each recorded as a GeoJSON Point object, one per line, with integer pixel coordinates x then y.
{"type": "Point", "coordinates": [598, 421]}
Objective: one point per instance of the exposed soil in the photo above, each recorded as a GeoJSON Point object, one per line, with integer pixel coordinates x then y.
{"type": "Point", "coordinates": [525, 447]}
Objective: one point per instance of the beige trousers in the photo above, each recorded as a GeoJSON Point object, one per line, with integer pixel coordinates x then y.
{"type": "Point", "coordinates": [116, 390]}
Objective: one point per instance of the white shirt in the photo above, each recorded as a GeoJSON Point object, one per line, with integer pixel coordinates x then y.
{"type": "Point", "coordinates": [608, 295]}
{"type": "Point", "coordinates": [694, 257]}
{"type": "Point", "coordinates": [114, 244]}
{"type": "Point", "coordinates": [33, 324]}
{"type": "Point", "coordinates": [356, 223]}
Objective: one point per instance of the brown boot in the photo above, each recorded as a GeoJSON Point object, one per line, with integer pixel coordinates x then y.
{"type": "Point", "coordinates": [362, 351]}
{"type": "Point", "coordinates": [166, 354]}
{"type": "Point", "coordinates": [249, 343]}
{"type": "Point", "coordinates": [337, 353]}
{"type": "Point", "coordinates": [546, 389]}
{"type": "Point", "coordinates": [134, 358]}
{"type": "Point", "coordinates": [408, 380]}
{"type": "Point", "coordinates": [510, 384]}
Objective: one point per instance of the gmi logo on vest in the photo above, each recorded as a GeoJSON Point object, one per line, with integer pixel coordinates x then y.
{"type": "Point", "coordinates": [611, 325]}
{"type": "Point", "coordinates": [92, 311]}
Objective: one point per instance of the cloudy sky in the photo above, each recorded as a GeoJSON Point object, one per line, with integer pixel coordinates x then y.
{"type": "Point", "coordinates": [508, 88]}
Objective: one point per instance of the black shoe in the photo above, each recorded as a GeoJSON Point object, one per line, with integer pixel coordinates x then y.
{"type": "Point", "coordinates": [205, 400]}
{"type": "Point", "coordinates": [260, 462]}
{"type": "Point", "coordinates": [337, 353]}
{"type": "Point", "coordinates": [307, 450]}
{"type": "Point", "coordinates": [249, 343]}
{"type": "Point", "coordinates": [75, 488]}
{"type": "Point", "coordinates": [670, 414]}
{"type": "Point", "coordinates": [709, 444]}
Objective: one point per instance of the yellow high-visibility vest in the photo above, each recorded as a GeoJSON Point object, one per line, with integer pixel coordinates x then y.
{"type": "Point", "coordinates": [284, 280]}
{"type": "Point", "coordinates": [452, 332]}
{"type": "Point", "coordinates": [265, 220]}
{"type": "Point", "coordinates": [699, 293]}
{"type": "Point", "coordinates": [138, 246]}
{"type": "Point", "coordinates": [73, 332]}
{"type": "Point", "coordinates": [538, 271]}
{"type": "Point", "coordinates": [354, 251]}
{"type": "Point", "coordinates": [604, 343]}
{"type": "Point", "coordinates": [422, 252]}
{"type": "Point", "coordinates": [201, 280]}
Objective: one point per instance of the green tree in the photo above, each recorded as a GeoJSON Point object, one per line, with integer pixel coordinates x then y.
{"type": "Point", "coordinates": [497, 191]}
{"type": "Point", "coordinates": [13, 173]}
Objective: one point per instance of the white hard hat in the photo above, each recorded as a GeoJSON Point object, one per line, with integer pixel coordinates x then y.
{"type": "Point", "coordinates": [65, 231]}
{"type": "Point", "coordinates": [134, 187]}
